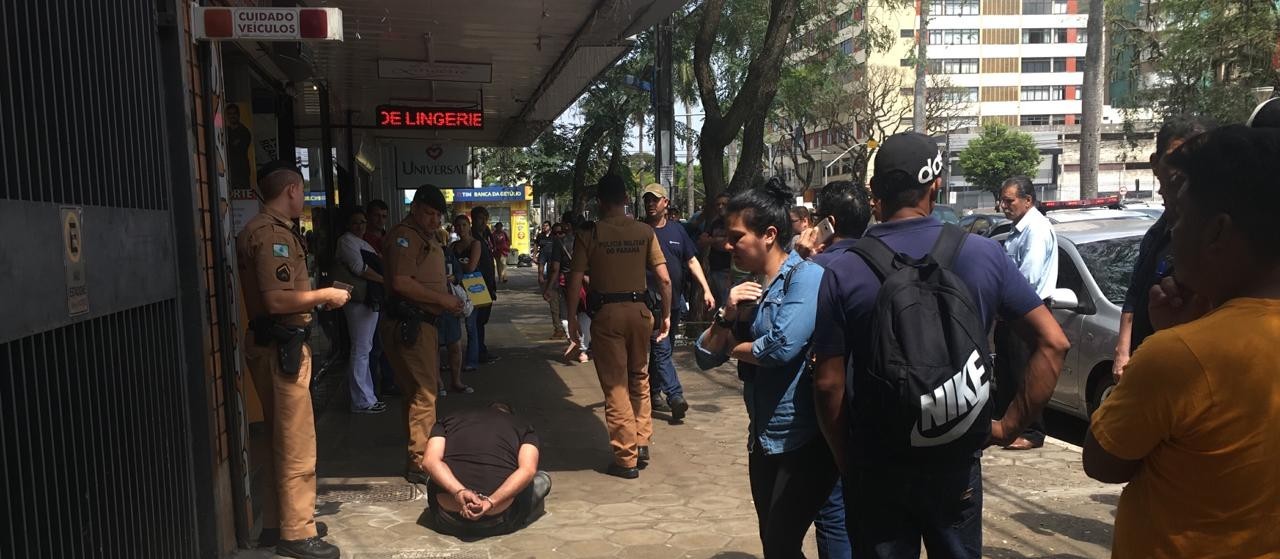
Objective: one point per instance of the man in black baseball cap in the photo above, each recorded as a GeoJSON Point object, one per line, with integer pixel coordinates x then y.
{"type": "Point", "coordinates": [878, 474]}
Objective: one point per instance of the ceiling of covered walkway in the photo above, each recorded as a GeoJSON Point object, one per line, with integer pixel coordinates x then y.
{"type": "Point", "coordinates": [543, 54]}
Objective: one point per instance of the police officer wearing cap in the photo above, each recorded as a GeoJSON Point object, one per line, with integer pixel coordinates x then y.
{"type": "Point", "coordinates": [418, 294]}
{"type": "Point", "coordinates": [617, 254]}
{"type": "Point", "coordinates": [278, 296]}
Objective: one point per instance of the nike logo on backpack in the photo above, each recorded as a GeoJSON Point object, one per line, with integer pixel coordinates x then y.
{"type": "Point", "coordinates": [961, 396]}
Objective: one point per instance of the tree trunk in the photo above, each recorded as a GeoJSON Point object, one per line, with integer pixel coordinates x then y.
{"type": "Point", "coordinates": [590, 137]}
{"type": "Point", "coordinates": [688, 159]}
{"type": "Point", "coordinates": [922, 46]}
{"type": "Point", "coordinates": [721, 127]}
{"type": "Point", "coordinates": [1095, 77]}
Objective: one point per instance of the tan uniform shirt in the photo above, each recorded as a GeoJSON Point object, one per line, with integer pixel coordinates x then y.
{"type": "Point", "coordinates": [617, 253]}
{"type": "Point", "coordinates": [411, 252]}
{"type": "Point", "coordinates": [271, 257]}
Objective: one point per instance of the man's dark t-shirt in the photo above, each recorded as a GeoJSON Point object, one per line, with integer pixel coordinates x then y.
{"type": "Point", "coordinates": [1155, 261]}
{"type": "Point", "coordinates": [482, 446]}
{"type": "Point", "coordinates": [487, 268]}
{"type": "Point", "coordinates": [719, 259]}
{"type": "Point", "coordinates": [848, 296]}
{"type": "Point", "coordinates": [678, 248]}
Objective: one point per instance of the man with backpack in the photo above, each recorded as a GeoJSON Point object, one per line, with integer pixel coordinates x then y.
{"type": "Point", "coordinates": [903, 371]}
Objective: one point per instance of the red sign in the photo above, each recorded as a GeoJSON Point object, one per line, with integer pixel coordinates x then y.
{"type": "Point", "coordinates": [267, 24]}
{"type": "Point", "coordinates": [394, 116]}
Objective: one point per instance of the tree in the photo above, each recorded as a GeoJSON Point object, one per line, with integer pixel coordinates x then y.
{"type": "Point", "coordinates": [1095, 78]}
{"type": "Point", "coordinates": [1203, 56]}
{"type": "Point", "coordinates": [998, 153]}
{"type": "Point", "coordinates": [739, 105]}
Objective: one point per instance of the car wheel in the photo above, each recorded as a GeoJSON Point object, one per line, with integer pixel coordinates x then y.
{"type": "Point", "coordinates": [1101, 390]}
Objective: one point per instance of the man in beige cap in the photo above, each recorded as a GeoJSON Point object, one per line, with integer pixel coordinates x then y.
{"type": "Point", "coordinates": [681, 253]}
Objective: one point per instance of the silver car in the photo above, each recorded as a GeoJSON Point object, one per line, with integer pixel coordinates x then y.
{"type": "Point", "coordinates": [1095, 262]}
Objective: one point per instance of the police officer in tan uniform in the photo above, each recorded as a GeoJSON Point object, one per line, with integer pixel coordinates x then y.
{"type": "Point", "coordinates": [419, 293]}
{"type": "Point", "coordinates": [616, 254]}
{"type": "Point", "coordinates": [279, 300]}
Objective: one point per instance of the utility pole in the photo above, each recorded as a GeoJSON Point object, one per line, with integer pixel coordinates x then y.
{"type": "Point", "coordinates": [922, 42]}
{"type": "Point", "coordinates": [688, 160]}
{"type": "Point", "coordinates": [664, 120]}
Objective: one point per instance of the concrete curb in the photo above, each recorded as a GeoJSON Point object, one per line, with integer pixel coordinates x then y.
{"type": "Point", "coordinates": [1063, 444]}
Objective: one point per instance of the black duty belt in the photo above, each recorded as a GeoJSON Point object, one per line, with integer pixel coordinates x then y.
{"type": "Point", "coordinates": [630, 297]}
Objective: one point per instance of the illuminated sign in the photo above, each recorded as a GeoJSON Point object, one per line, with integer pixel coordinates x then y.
{"type": "Point", "coordinates": [394, 116]}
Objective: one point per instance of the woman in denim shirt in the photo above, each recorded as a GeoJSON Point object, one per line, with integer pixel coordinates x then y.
{"type": "Point", "coordinates": [766, 325]}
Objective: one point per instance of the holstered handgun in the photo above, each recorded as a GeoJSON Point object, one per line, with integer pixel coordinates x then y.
{"type": "Point", "coordinates": [288, 340]}
{"type": "Point", "coordinates": [409, 319]}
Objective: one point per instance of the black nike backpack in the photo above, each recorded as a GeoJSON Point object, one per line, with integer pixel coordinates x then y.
{"type": "Point", "coordinates": [927, 381]}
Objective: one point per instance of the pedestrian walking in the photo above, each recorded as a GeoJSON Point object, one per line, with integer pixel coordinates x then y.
{"type": "Point", "coordinates": [279, 300]}
{"type": "Point", "coordinates": [361, 313]}
{"type": "Point", "coordinates": [911, 307]}
{"type": "Point", "coordinates": [1191, 428]}
{"type": "Point", "coordinates": [1033, 247]}
{"type": "Point", "coordinates": [581, 345]}
{"type": "Point", "coordinates": [546, 278]}
{"type": "Point", "coordinates": [766, 324]}
{"type": "Point", "coordinates": [418, 294]}
{"type": "Point", "coordinates": [617, 252]}
{"type": "Point", "coordinates": [712, 238]}
{"type": "Point", "coordinates": [501, 249]}
{"type": "Point", "coordinates": [681, 254]}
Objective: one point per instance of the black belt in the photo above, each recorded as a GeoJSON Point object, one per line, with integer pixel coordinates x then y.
{"type": "Point", "coordinates": [631, 297]}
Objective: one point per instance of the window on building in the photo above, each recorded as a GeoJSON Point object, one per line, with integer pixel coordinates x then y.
{"type": "Point", "coordinates": [954, 7]}
{"type": "Point", "coordinates": [960, 95]}
{"type": "Point", "coordinates": [1059, 120]}
{"type": "Point", "coordinates": [843, 20]}
{"type": "Point", "coordinates": [1079, 64]}
{"type": "Point", "coordinates": [954, 66]}
{"type": "Point", "coordinates": [1082, 35]}
{"type": "Point", "coordinates": [1034, 120]}
{"type": "Point", "coordinates": [953, 36]}
{"type": "Point", "coordinates": [1043, 36]}
{"type": "Point", "coordinates": [1043, 7]}
{"type": "Point", "coordinates": [1043, 65]}
{"type": "Point", "coordinates": [1044, 93]}
{"type": "Point", "coordinates": [846, 46]}
{"type": "Point", "coordinates": [907, 33]}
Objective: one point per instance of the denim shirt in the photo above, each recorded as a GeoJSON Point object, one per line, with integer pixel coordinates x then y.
{"type": "Point", "coordinates": [779, 391]}
{"type": "Point", "coordinates": [1033, 246]}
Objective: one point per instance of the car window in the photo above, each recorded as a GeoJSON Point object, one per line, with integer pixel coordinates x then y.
{"type": "Point", "coordinates": [945, 214]}
{"type": "Point", "coordinates": [1069, 276]}
{"type": "Point", "coordinates": [1110, 262]}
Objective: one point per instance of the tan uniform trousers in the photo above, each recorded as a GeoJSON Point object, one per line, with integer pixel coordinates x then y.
{"type": "Point", "coordinates": [620, 335]}
{"type": "Point", "coordinates": [417, 373]}
{"type": "Point", "coordinates": [290, 500]}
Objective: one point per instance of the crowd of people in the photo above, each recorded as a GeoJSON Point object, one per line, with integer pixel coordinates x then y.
{"type": "Point", "coordinates": [860, 332]}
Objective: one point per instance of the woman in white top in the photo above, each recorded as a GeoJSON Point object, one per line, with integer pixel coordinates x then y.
{"type": "Point", "coordinates": [362, 320]}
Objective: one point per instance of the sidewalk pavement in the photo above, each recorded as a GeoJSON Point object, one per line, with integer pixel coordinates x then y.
{"type": "Point", "coordinates": [692, 501]}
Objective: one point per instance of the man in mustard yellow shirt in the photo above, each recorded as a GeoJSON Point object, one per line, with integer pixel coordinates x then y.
{"type": "Point", "coordinates": [1194, 425]}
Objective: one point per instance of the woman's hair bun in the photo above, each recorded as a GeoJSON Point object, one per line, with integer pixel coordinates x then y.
{"type": "Point", "coordinates": [778, 190]}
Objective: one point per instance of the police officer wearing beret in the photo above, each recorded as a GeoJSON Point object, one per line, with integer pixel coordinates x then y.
{"type": "Point", "coordinates": [617, 252]}
{"type": "Point", "coordinates": [278, 296]}
{"type": "Point", "coordinates": [419, 293]}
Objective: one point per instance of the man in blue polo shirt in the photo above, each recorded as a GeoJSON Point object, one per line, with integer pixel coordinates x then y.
{"type": "Point", "coordinates": [899, 502]}
{"type": "Point", "coordinates": [682, 254]}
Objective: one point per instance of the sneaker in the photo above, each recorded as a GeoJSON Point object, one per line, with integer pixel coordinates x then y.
{"type": "Point", "coordinates": [442, 393]}
{"type": "Point", "coordinates": [464, 390]}
{"type": "Point", "coordinates": [271, 536]}
{"type": "Point", "coordinates": [658, 404]}
{"type": "Point", "coordinates": [376, 408]}
{"type": "Point", "coordinates": [310, 548]}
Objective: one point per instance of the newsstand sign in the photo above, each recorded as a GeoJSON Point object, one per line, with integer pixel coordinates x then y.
{"type": "Point", "coordinates": [268, 24]}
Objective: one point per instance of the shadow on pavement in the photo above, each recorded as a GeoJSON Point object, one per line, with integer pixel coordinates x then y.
{"type": "Point", "coordinates": [1065, 427]}
{"type": "Point", "coordinates": [1084, 530]}
{"type": "Point", "coordinates": [1001, 553]}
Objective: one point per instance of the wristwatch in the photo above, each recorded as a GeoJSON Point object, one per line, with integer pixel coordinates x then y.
{"type": "Point", "coordinates": [721, 321]}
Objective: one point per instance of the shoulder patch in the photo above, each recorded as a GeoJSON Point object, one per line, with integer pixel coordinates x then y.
{"type": "Point", "coordinates": [282, 272]}
{"type": "Point", "coordinates": [280, 250]}
{"type": "Point", "coordinates": [402, 242]}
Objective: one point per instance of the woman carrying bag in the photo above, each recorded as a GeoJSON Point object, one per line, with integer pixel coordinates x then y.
{"type": "Point", "coordinates": [354, 257]}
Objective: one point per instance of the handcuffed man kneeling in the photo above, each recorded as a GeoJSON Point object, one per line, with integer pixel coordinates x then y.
{"type": "Point", "coordinates": [484, 473]}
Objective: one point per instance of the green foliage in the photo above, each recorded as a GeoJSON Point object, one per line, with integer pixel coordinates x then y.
{"type": "Point", "coordinates": [998, 153]}
{"type": "Point", "coordinates": [1207, 55]}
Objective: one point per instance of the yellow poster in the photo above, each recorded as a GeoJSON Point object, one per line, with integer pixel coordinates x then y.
{"type": "Point", "coordinates": [520, 231]}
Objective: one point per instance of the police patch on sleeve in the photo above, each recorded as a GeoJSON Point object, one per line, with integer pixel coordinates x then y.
{"type": "Point", "coordinates": [280, 250]}
{"type": "Point", "coordinates": [282, 272]}
{"type": "Point", "coordinates": [403, 242]}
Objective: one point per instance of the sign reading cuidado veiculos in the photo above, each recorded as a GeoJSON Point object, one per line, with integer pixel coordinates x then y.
{"type": "Point", "coordinates": [267, 24]}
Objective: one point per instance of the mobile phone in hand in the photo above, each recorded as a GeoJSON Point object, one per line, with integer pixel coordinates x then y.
{"type": "Point", "coordinates": [345, 286]}
{"type": "Point", "coordinates": [825, 230]}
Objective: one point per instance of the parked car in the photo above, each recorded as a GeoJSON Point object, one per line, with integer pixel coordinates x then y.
{"type": "Point", "coordinates": [982, 224]}
{"type": "Point", "coordinates": [946, 214]}
{"type": "Point", "coordinates": [1150, 208]}
{"type": "Point", "coordinates": [1095, 262]}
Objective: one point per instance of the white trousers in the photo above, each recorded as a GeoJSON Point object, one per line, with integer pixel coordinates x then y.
{"type": "Point", "coordinates": [362, 322]}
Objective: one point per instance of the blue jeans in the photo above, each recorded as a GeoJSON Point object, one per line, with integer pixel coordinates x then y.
{"type": "Point", "coordinates": [944, 507]}
{"type": "Point", "coordinates": [471, 359]}
{"type": "Point", "coordinates": [833, 537]}
{"type": "Point", "coordinates": [662, 368]}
